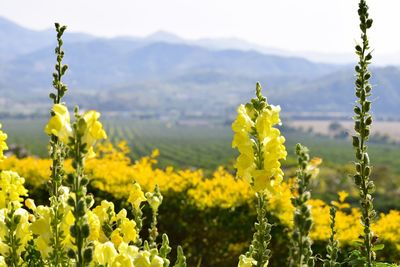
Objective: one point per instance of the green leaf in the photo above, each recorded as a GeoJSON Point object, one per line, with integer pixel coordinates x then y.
{"type": "Point", "coordinates": [378, 247]}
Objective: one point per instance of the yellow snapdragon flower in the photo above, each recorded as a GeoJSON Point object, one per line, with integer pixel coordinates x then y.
{"type": "Point", "coordinates": [122, 260]}
{"type": "Point", "coordinates": [94, 226]}
{"type": "Point", "coordinates": [11, 188]}
{"type": "Point", "coordinates": [128, 229]}
{"type": "Point", "coordinates": [147, 259]}
{"type": "Point", "coordinates": [136, 196]}
{"type": "Point", "coordinates": [154, 199]}
{"type": "Point", "coordinates": [59, 124]}
{"type": "Point", "coordinates": [93, 131]}
{"type": "Point", "coordinates": [104, 254]}
{"type": "Point", "coordinates": [246, 262]}
{"type": "Point", "coordinates": [41, 224]}
{"type": "Point", "coordinates": [105, 211]}
{"type": "Point", "coordinates": [256, 130]}
{"type": "Point", "coordinates": [130, 250]}
{"type": "Point", "coordinates": [3, 144]}
{"type": "Point", "coordinates": [42, 228]}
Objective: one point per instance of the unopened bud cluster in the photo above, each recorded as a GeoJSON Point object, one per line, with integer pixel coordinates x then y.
{"type": "Point", "coordinates": [363, 121]}
{"type": "Point", "coordinates": [301, 242]}
{"type": "Point", "coordinates": [332, 248]}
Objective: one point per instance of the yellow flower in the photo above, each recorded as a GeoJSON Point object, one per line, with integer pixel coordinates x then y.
{"type": "Point", "coordinates": [312, 167]}
{"type": "Point", "coordinates": [11, 188]}
{"type": "Point", "coordinates": [246, 262]}
{"type": "Point", "coordinates": [243, 122]}
{"type": "Point", "coordinates": [104, 254]}
{"type": "Point", "coordinates": [128, 228]}
{"type": "Point", "coordinates": [93, 129]}
{"type": "Point", "coordinates": [94, 225]}
{"type": "Point", "coordinates": [136, 196]}
{"type": "Point", "coordinates": [221, 190]}
{"type": "Point", "coordinates": [30, 204]}
{"type": "Point", "coordinates": [122, 260]}
{"type": "Point", "coordinates": [105, 211]}
{"type": "Point", "coordinates": [2, 262]}
{"type": "Point", "coordinates": [342, 196]}
{"type": "Point", "coordinates": [257, 132]}
{"type": "Point", "coordinates": [129, 250]}
{"type": "Point", "coordinates": [42, 228]}
{"type": "Point", "coordinates": [266, 120]}
{"type": "Point", "coordinates": [157, 261]}
{"type": "Point", "coordinates": [59, 124]}
{"type": "Point", "coordinates": [154, 200]}
{"type": "Point", "coordinates": [142, 259]}
{"type": "Point", "coordinates": [3, 144]}
{"type": "Point", "coordinates": [147, 259]}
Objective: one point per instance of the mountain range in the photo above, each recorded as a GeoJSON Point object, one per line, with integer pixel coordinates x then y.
{"type": "Point", "coordinates": [165, 76]}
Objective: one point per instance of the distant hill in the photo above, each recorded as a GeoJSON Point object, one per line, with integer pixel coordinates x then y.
{"type": "Point", "coordinates": [165, 76]}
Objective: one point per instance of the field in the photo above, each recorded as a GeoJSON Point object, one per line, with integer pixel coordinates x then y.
{"type": "Point", "coordinates": [389, 128]}
{"type": "Point", "coordinates": [205, 147]}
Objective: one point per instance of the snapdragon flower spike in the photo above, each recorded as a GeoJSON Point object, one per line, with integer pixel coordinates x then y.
{"type": "Point", "coordinates": [260, 143]}
{"type": "Point", "coordinates": [60, 130]}
{"type": "Point", "coordinates": [301, 252]}
{"type": "Point", "coordinates": [332, 248]}
{"type": "Point", "coordinates": [363, 121]}
{"type": "Point", "coordinates": [261, 148]}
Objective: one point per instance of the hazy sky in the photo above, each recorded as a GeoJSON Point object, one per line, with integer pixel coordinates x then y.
{"type": "Point", "coordinates": [297, 25]}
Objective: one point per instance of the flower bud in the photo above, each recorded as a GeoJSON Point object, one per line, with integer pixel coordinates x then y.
{"type": "Point", "coordinates": [16, 219]}
{"type": "Point", "coordinates": [367, 171]}
{"type": "Point", "coordinates": [368, 120]}
{"type": "Point", "coordinates": [71, 254]}
{"type": "Point", "coordinates": [81, 209]}
{"type": "Point", "coordinates": [73, 231]}
{"type": "Point", "coordinates": [88, 255]}
{"type": "Point", "coordinates": [84, 181]}
{"type": "Point", "coordinates": [357, 179]}
{"type": "Point", "coordinates": [366, 158]}
{"type": "Point", "coordinates": [71, 202]}
{"type": "Point", "coordinates": [356, 141]}
{"type": "Point", "coordinates": [85, 230]}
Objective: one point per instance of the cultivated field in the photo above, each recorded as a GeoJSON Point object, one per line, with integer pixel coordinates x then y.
{"type": "Point", "coordinates": [390, 128]}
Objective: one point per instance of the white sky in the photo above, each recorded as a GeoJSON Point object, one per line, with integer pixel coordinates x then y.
{"type": "Point", "coordinates": [297, 25]}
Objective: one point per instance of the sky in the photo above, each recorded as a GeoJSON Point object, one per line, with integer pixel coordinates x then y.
{"type": "Point", "coordinates": [315, 26]}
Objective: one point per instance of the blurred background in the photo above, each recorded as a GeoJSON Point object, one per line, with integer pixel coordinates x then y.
{"type": "Point", "coordinates": [170, 74]}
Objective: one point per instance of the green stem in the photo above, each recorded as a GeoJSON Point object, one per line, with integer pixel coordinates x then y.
{"type": "Point", "coordinates": [153, 232]}
{"type": "Point", "coordinates": [78, 193]}
{"type": "Point", "coordinates": [57, 154]}
{"type": "Point", "coordinates": [262, 236]}
{"type": "Point", "coordinates": [363, 121]}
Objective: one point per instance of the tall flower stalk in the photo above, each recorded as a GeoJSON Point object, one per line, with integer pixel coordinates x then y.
{"type": "Point", "coordinates": [363, 121]}
{"type": "Point", "coordinates": [86, 130]}
{"type": "Point", "coordinates": [261, 148]}
{"type": "Point", "coordinates": [332, 248]}
{"type": "Point", "coordinates": [301, 252]}
{"type": "Point", "coordinates": [57, 153]}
